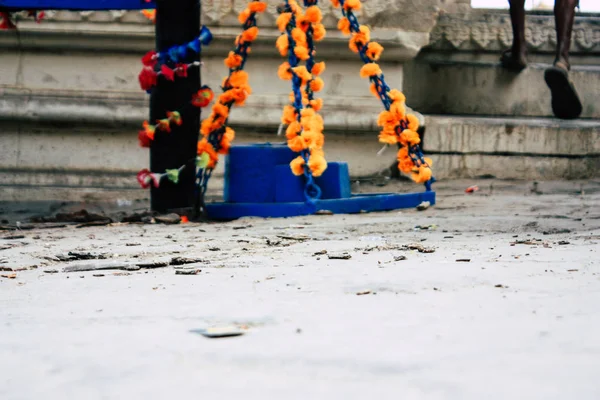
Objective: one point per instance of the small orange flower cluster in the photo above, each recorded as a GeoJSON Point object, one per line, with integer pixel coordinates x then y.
{"type": "Point", "coordinates": [235, 91]}
{"type": "Point", "coordinates": [150, 14]}
{"type": "Point", "coordinates": [146, 135]}
{"type": "Point", "coordinates": [305, 126]}
{"type": "Point", "coordinates": [397, 126]}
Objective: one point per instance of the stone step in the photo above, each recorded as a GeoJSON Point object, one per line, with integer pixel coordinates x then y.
{"type": "Point", "coordinates": [65, 162]}
{"type": "Point", "coordinates": [459, 87]}
{"type": "Point", "coordinates": [513, 148]}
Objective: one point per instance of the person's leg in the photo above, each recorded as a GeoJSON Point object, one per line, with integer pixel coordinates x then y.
{"type": "Point", "coordinates": [516, 57]}
{"type": "Point", "coordinates": [565, 101]}
{"type": "Point", "coordinates": [564, 15]}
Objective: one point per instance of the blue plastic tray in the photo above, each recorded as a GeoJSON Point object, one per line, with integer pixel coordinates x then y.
{"type": "Point", "coordinates": [352, 205]}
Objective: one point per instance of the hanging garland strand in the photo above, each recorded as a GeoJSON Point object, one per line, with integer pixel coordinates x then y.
{"type": "Point", "coordinates": [305, 126]}
{"type": "Point", "coordinates": [397, 126]}
{"type": "Point", "coordinates": [216, 134]}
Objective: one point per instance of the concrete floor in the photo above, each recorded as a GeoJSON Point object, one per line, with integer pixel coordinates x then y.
{"type": "Point", "coordinates": [519, 320]}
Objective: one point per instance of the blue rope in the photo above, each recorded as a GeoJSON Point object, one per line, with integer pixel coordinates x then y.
{"type": "Point", "coordinates": [312, 192]}
{"type": "Point", "coordinates": [179, 53]}
{"type": "Point", "coordinates": [215, 138]}
{"type": "Point", "coordinates": [383, 89]}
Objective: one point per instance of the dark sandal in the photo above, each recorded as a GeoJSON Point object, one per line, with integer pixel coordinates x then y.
{"type": "Point", "coordinates": [508, 62]}
{"type": "Point", "coordinates": [565, 101]}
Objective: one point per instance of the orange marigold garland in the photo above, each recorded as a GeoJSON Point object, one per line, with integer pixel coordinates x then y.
{"type": "Point", "coordinates": [216, 135]}
{"type": "Point", "coordinates": [397, 127]}
{"type": "Point", "coordinates": [304, 133]}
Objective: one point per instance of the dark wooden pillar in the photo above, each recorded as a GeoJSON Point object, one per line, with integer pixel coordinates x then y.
{"type": "Point", "coordinates": [177, 22]}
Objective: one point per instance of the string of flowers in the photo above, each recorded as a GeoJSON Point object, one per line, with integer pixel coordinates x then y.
{"type": "Point", "coordinates": [304, 131]}
{"type": "Point", "coordinates": [397, 126]}
{"type": "Point", "coordinates": [216, 134]}
{"type": "Point", "coordinates": [148, 77]}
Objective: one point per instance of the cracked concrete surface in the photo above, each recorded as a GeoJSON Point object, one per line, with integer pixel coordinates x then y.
{"type": "Point", "coordinates": [519, 319]}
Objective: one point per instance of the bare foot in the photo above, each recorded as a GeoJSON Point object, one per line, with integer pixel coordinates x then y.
{"type": "Point", "coordinates": [514, 61]}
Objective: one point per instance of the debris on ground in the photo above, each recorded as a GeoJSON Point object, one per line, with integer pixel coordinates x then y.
{"type": "Point", "coordinates": [185, 260]}
{"type": "Point", "coordinates": [419, 248]}
{"type": "Point", "coordinates": [343, 256]}
{"type": "Point", "coordinates": [8, 276]}
{"type": "Point", "coordinates": [423, 206]}
{"type": "Point", "coordinates": [220, 332]}
{"type": "Point", "coordinates": [120, 265]}
{"type": "Point", "coordinates": [400, 258]}
{"type": "Point", "coordinates": [187, 271]}
{"type": "Point", "coordinates": [463, 260]}
{"type": "Point", "coordinates": [363, 293]}
{"type": "Point", "coordinates": [169, 219]}
{"type": "Point", "coordinates": [472, 189]}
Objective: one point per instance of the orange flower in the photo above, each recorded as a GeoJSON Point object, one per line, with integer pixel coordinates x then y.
{"type": "Point", "coordinates": [373, 90]}
{"type": "Point", "coordinates": [428, 161]}
{"type": "Point", "coordinates": [396, 95]}
{"type": "Point", "coordinates": [344, 25]}
{"type": "Point", "coordinates": [409, 138]}
{"type": "Point", "coordinates": [405, 164]}
{"type": "Point", "coordinates": [317, 164]}
{"type": "Point", "coordinates": [284, 72]}
{"type": "Point", "coordinates": [175, 117]}
{"type": "Point", "coordinates": [360, 39]}
{"type": "Point", "coordinates": [370, 69]}
{"type": "Point", "coordinates": [397, 108]}
{"type": "Point", "coordinates": [307, 113]}
{"type": "Point", "coordinates": [319, 32]}
{"type": "Point", "coordinates": [220, 110]}
{"type": "Point", "coordinates": [299, 36]}
{"type": "Point", "coordinates": [374, 50]}
{"type": "Point", "coordinates": [386, 118]}
{"type": "Point", "coordinates": [243, 16]}
{"type": "Point", "coordinates": [313, 14]}
{"type": "Point", "coordinates": [316, 104]}
{"type": "Point", "coordinates": [239, 96]}
{"type": "Point", "coordinates": [226, 97]}
{"type": "Point", "coordinates": [301, 52]}
{"type": "Point", "coordinates": [283, 20]}
{"type": "Point", "coordinates": [233, 60]}
{"type": "Point", "coordinates": [352, 5]}
{"type": "Point", "coordinates": [289, 115]}
{"type": "Point", "coordinates": [318, 68]}
{"type": "Point", "coordinates": [297, 166]}
{"type": "Point", "coordinates": [250, 34]}
{"type": "Point", "coordinates": [335, 3]}
{"type": "Point", "coordinates": [149, 129]}
{"type": "Point", "coordinates": [385, 137]}
{"type": "Point", "coordinates": [282, 45]}
{"type": "Point", "coordinates": [205, 147]}
{"type": "Point", "coordinates": [228, 137]}
{"type": "Point", "coordinates": [297, 144]}
{"type": "Point", "coordinates": [413, 122]}
{"type": "Point", "coordinates": [257, 6]}
{"type": "Point", "coordinates": [422, 175]}
{"type": "Point", "coordinates": [302, 73]}
{"type": "Point", "coordinates": [316, 84]}
{"type": "Point", "coordinates": [238, 79]}
{"type": "Point", "coordinates": [163, 125]}
{"type": "Point", "coordinates": [293, 130]}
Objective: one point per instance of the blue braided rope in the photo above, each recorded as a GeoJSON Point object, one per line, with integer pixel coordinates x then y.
{"type": "Point", "coordinates": [180, 53]}
{"type": "Point", "coordinates": [312, 192]}
{"type": "Point", "coordinates": [383, 89]}
{"type": "Point", "coordinates": [215, 137]}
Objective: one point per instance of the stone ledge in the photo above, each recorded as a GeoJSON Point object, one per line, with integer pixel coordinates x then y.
{"type": "Point", "coordinates": [126, 38]}
{"type": "Point", "coordinates": [129, 109]}
{"type": "Point", "coordinates": [514, 136]}
{"type": "Point", "coordinates": [490, 31]}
